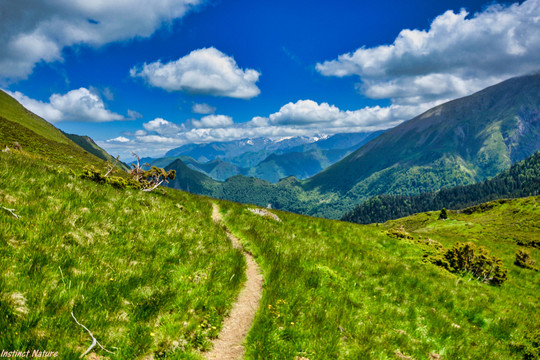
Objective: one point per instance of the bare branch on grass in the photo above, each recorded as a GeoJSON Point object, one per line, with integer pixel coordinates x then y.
{"type": "Point", "coordinates": [12, 212]}
{"type": "Point", "coordinates": [94, 340]}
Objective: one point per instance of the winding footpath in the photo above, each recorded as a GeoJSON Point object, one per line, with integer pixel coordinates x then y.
{"type": "Point", "coordinates": [229, 345]}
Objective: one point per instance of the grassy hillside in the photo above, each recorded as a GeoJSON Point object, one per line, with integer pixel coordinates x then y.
{"type": "Point", "coordinates": [153, 275]}
{"type": "Point", "coordinates": [38, 137]}
{"type": "Point", "coordinates": [148, 274]}
{"type": "Point", "coordinates": [522, 179]}
{"type": "Point", "coordinates": [14, 112]}
{"type": "Point", "coordinates": [477, 137]}
{"type": "Point", "coordinates": [342, 291]}
{"type": "Point", "coordinates": [89, 145]}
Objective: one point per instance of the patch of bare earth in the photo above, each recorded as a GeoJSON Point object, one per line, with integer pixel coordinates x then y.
{"type": "Point", "coordinates": [229, 344]}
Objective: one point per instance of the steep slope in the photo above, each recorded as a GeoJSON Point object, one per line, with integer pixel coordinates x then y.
{"type": "Point", "coordinates": [456, 143]}
{"type": "Point", "coordinates": [521, 180]}
{"type": "Point", "coordinates": [37, 136]}
{"type": "Point", "coordinates": [191, 180]}
{"type": "Point", "coordinates": [89, 145]}
{"type": "Point", "coordinates": [11, 110]}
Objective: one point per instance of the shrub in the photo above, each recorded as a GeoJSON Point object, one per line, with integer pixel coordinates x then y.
{"type": "Point", "coordinates": [524, 260]}
{"type": "Point", "coordinates": [91, 173]}
{"type": "Point", "coordinates": [146, 180]}
{"type": "Point", "coordinates": [465, 258]}
{"type": "Point", "coordinates": [529, 345]}
{"type": "Point", "coordinates": [151, 179]}
{"type": "Point", "coordinates": [443, 215]}
{"type": "Point", "coordinates": [400, 233]}
{"type": "Point", "coordinates": [96, 175]}
{"type": "Point", "coordinates": [533, 350]}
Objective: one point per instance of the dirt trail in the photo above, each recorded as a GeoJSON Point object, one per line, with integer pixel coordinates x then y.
{"type": "Point", "coordinates": [235, 327]}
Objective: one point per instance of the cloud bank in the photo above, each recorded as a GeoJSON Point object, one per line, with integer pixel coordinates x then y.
{"type": "Point", "coordinates": [205, 71]}
{"type": "Point", "coordinates": [37, 31]}
{"type": "Point", "coordinates": [458, 55]}
{"type": "Point", "coordinates": [302, 118]}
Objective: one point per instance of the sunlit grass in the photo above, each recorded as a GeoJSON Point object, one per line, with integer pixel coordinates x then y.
{"type": "Point", "coordinates": [148, 274]}
{"type": "Point", "coordinates": [339, 290]}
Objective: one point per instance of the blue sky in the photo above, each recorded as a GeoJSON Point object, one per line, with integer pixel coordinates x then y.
{"type": "Point", "coordinates": [152, 75]}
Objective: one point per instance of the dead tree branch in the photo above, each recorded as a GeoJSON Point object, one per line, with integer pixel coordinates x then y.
{"type": "Point", "coordinates": [94, 341]}
{"type": "Point", "coordinates": [111, 166]}
{"type": "Point", "coordinates": [12, 212]}
{"type": "Point", "coordinates": [155, 186]}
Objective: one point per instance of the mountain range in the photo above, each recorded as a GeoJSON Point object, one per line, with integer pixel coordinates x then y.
{"type": "Point", "coordinates": [266, 158]}
{"type": "Point", "coordinates": [461, 142]}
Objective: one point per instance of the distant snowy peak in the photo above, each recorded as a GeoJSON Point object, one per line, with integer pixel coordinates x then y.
{"type": "Point", "coordinates": [230, 149]}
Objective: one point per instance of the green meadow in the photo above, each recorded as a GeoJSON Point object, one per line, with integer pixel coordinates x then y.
{"type": "Point", "coordinates": [335, 290]}
{"type": "Point", "coordinates": [148, 274]}
{"type": "Point", "coordinates": [152, 276]}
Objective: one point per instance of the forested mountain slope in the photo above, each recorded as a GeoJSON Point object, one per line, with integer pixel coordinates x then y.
{"type": "Point", "coordinates": [457, 143]}
{"type": "Point", "coordinates": [521, 180]}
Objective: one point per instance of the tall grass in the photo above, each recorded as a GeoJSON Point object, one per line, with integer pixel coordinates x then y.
{"type": "Point", "coordinates": [148, 274]}
{"type": "Point", "coordinates": [336, 290]}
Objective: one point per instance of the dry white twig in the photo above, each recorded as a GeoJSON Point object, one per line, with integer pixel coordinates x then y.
{"type": "Point", "coordinates": [12, 212]}
{"type": "Point", "coordinates": [155, 186]}
{"type": "Point", "coordinates": [94, 341]}
{"type": "Point", "coordinates": [111, 166]}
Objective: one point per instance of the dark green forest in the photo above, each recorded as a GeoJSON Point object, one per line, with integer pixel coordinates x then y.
{"type": "Point", "coordinates": [522, 179]}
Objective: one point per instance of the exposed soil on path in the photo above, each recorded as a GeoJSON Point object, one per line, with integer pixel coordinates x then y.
{"type": "Point", "coordinates": [236, 327]}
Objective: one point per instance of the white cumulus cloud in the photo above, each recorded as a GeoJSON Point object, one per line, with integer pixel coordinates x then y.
{"type": "Point", "coordinates": [80, 105]}
{"type": "Point", "coordinates": [202, 108]}
{"type": "Point", "coordinates": [161, 127]}
{"type": "Point", "coordinates": [213, 121]}
{"type": "Point", "coordinates": [205, 71]}
{"type": "Point", "coordinates": [325, 118]}
{"type": "Point", "coordinates": [34, 31]}
{"type": "Point", "coordinates": [459, 54]}
{"type": "Point", "coordinates": [119, 139]}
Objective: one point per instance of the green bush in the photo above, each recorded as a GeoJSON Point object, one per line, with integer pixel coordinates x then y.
{"type": "Point", "coordinates": [465, 258]}
{"type": "Point", "coordinates": [91, 173]}
{"type": "Point", "coordinates": [96, 175]}
{"type": "Point", "coordinates": [524, 260]}
{"type": "Point", "coordinates": [139, 179]}
{"type": "Point", "coordinates": [529, 345]}
{"type": "Point", "coordinates": [443, 215]}
{"type": "Point", "coordinates": [400, 234]}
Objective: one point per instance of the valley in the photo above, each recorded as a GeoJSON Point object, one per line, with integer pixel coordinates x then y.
{"type": "Point", "coordinates": [155, 274]}
{"type": "Point", "coordinates": [197, 270]}
{"type": "Point", "coordinates": [457, 143]}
